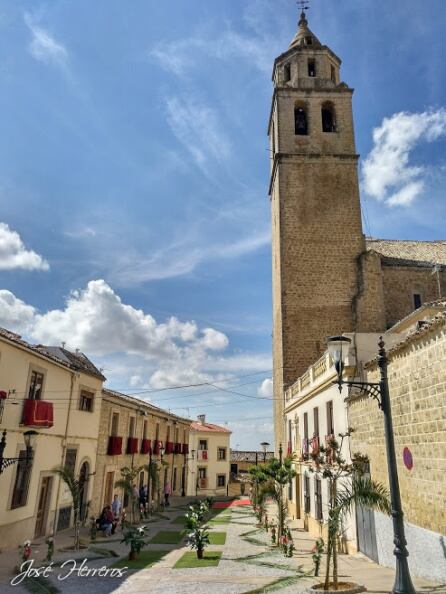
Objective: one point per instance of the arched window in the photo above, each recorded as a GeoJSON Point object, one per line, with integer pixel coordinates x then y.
{"type": "Point", "coordinates": [328, 118]}
{"type": "Point", "coordinates": [287, 73]}
{"type": "Point", "coordinates": [300, 121]}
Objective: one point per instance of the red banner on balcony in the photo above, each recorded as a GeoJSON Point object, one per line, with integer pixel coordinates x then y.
{"type": "Point", "coordinates": [177, 448]}
{"type": "Point", "coordinates": [289, 450]}
{"type": "Point", "coordinates": [169, 447]}
{"type": "Point", "coordinates": [114, 446]}
{"type": "Point", "coordinates": [146, 446]}
{"type": "Point", "coordinates": [185, 449]}
{"type": "Point", "coordinates": [132, 445]}
{"type": "Point", "coordinates": [315, 444]}
{"type": "Point", "coordinates": [37, 413]}
{"type": "Point", "coordinates": [305, 446]}
{"type": "Point", "coordinates": [156, 448]}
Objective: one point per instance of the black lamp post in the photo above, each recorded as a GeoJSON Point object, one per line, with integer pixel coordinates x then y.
{"type": "Point", "coordinates": [280, 453]}
{"type": "Point", "coordinates": [30, 438]}
{"type": "Point", "coordinates": [264, 445]}
{"type": "Point", "coordinates": [338, 349]}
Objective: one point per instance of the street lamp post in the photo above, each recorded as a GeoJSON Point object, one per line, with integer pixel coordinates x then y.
{"type": "Point", "coordinates": [158, 469]}
{"type": "Point", "coordinates": [338, 348]}
{"type": "Point", "coordinates": [264, 445]}
{"type": "Point", "coordinates": [30, 438]}
{"type": "Point", "coordinates": [280, 453]}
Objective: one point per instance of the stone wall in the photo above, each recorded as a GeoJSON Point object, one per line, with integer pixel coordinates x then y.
{"type": "Point", "coordinates": [417, 382]}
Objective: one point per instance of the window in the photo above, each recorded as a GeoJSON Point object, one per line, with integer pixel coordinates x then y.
{"type": "Point", "coordinates": [21, 483]}
{"type": "Point", "coordinates": [144, 430]}
{"type": "Point", "coordinates": [306, 425]}
{"type": "Point", "coordinates": [70, 459]}
{"type": "Point", "coordinates": [416, 300]}
{"type": "Point", "coordinates": [318, 498]}
{"type": "Point", "coordinates": [203, 444]}
{"type": "Point", "coordinates": [234, 468]}
{"type": "Point", "coordinates": [287, 73]}
{"type": "Point", "coordinates": [202, 473]}
{"type": "Point", "coordinates": [333, 73]}
{"type": "Point", "coordinates": [174, 482]}
{"type": "Point", "coordinates": [300, 122]}
{"type": "Point", "coordinates": [131, 426]}
{"type": "Point", "coordinates": [312, 68]}
{"type": "Point", "coordinates": [307, 501]}
{"type": "Point", "coordinates": [328, 118]}
{"type": "Point", "coordinates": [221, 480]}
{"type": "Point", "coordinates": [221, 454]}
{"type": "Point", "coordinates": [330, 427]}
{"type": "Point", "coordinates": [308, 41]}
{"type": "Point", "coordinates": [316, 421]}
{"type": "Point", "coordinates": [35, 386]}
{"type": "Point", "coordinates": [86, 401]}
{"type": "Point", "coordinates": [157, 432]}
{"type": "Point", "coordinates": [114, 424]}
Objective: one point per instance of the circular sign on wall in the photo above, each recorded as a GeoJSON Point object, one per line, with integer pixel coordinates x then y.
{"type": "Point", "coordinates": [407, 458]}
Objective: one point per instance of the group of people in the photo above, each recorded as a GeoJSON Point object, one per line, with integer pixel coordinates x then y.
{"type": "Point", "coordinates": [113, 514]}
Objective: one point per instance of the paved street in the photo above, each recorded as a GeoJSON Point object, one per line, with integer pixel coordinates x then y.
{"type": "Point", "coordinates": [248, 564]}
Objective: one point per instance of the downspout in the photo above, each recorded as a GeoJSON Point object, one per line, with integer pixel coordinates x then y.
{"type": "Point", "coordinates": [64, 449]}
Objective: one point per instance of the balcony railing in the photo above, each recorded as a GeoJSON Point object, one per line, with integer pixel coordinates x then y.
{"type": "Point", "coordinates": [169, 447]}
{"type": "Point", "coordinates": [329, 448]}
{"type": "Point", "coordinates": [202, 455]}
{"type": "Point", "coordinates": [203, 483]}
{"type": "Point", "coordinates": [185, 448]}
{"type": "Point", "coordinates": [114, 445]}
{"type": "Point", "coordinates": [132, 445]}
{"type": "Point", "coordinates": [156, 447]}
{"type": "Point", "coordinates": [177, 448]}
{"type": "Point", "coordinates": [37, 413]}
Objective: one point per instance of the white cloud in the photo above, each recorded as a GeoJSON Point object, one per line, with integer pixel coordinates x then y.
{"type": "Point", "coordinates": [15, 314]}
{"type": "Point", "coordinates": [43, 46]}
{"type": "Point", "coordinates": [13, 253]}
{"type": "Point", "coordinates": [181, 258]}
{"type": "Point", "coordinates": [199, 130]}
{"type": "Point", "coordinates": [266, 388]}
{"type": "Point", "coordinates": [387, 172]}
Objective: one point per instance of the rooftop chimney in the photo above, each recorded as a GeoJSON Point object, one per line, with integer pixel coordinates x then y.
{"type": "Point", "coordinates": [202, 419]}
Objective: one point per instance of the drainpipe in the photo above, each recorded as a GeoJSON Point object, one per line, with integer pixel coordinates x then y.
{"type": "Point", "coordinates": [64, 448]}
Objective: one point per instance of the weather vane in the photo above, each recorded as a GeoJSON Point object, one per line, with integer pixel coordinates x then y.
{"type": "Point", "coordinates": [303, 4]}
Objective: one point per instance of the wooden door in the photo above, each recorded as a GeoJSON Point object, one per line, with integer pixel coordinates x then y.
{"type": "Point", "coordinates": [42, 506]}
{"type": "Point", "coordinates": [109, 484]}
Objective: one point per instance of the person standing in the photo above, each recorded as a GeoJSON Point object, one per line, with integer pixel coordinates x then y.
{"type": "Point", "coordinates": [167, 492]}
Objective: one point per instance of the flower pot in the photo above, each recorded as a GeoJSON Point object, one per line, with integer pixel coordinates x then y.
{"type": "Point", "coordinates": [133, 555]}
{"type": "Point", "coordinates": [200, 553]}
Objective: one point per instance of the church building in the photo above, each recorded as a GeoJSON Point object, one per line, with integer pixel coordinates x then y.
{"type": "Point", "coordinates": [328, 278]}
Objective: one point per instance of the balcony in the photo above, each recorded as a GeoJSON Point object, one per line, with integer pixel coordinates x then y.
{"type": "Point", "coordinates": [132, 445]}
{"type": "Point", "coordinates": [185, 449]}
{"type": "Point", "coordinates": [156, 447]}
{"type": "Point", "coordinates": [146, 446]}
{"type": "Point", "coordinates": [37, 413]}
{"type": "Point", "coordinates": [177, 449]}
{"type": "Point", "coordinates": [169, 447]}
{"type": "Point", "coordinates": [203, 482]}
{"type": "Point", "coordinates": [202, 455]}
{"type": "Point", "coordinates": [329, 439]}
{"type": "Point", "coordinates": [114, 446]}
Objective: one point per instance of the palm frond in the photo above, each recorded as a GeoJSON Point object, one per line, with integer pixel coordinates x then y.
{"type": "Point", "coordinates": [364, 492]}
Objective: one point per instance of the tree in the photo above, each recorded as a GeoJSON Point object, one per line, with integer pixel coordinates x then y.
{"type": "Point", "coordinates": [75, 487]}
{"type": "Point", "coordinates": [278, 474]}
{"type": "Point", "coordinates": [347, 487]}
{"type": "Point", "coordinates": [126, 483]}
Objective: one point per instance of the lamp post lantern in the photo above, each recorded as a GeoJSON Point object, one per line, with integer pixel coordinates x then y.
{"type": "Point", "coordinates": [264, 446]}
{"type": "Point", "coordinates": [30, 440]}
{"type": "Point", "coordinates": [379, 391]}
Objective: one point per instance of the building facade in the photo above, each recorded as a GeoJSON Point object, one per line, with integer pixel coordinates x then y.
{"type": "Point", "coordinates": [327, 277]}
{"type": "Point", "coordinates": [133, 433]}
{"type": "Point", "coordinates": [58, 394]}
{"type": "Point", "coordinates": [209, 463]}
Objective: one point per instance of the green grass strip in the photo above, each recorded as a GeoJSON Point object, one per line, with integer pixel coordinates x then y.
{"type": "Point", "coordinates": [145, 559]}
{"type": "Point", "coordinates": [190, 560]}
{"type": "Point", "coordinates": [168, 537]}
{"type": "Point", "coordinates": [276, 585]}
{"type": "Point", "coordinates": [217, 538]}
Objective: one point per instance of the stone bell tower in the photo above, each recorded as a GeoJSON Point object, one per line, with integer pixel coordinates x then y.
{"type": "Point", "coordinates": [316, 219]}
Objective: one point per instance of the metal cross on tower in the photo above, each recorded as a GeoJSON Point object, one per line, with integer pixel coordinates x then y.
{"type": "Point", "coordinates": [303, 4]}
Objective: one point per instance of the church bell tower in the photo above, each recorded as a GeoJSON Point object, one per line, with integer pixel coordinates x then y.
{"type": "Point", "coordinates": [317, 234]}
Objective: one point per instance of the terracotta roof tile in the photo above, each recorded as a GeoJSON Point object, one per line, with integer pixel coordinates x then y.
{"type": "Point", "coordinates": [197, 426]}
{"type": "Point", "coordinates": [409, 252]}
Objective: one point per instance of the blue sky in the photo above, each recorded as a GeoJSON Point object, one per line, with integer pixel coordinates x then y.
{"type": "Point", "coordinates": [134, 174]}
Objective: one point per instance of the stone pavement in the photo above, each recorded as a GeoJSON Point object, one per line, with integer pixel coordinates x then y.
{"type": "Point", "coordinates": [248, 565]}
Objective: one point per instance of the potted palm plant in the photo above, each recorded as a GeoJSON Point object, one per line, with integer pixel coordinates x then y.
{"type": "Point", "coordinates": [198, 539]}
{"type": "Point", "coordinates": [134, 538]}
